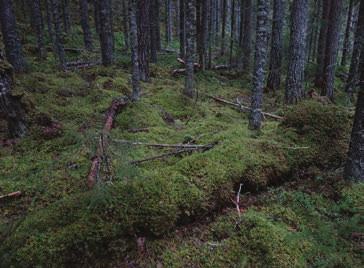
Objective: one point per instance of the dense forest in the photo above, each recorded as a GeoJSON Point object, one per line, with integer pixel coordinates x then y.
{"type": "Point", "coordinates": [181, 133]}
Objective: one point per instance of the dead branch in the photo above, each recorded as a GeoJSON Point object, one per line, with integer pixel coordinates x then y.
{"type": "Point", "coordinates": [115, 107]}
{"type": "Point", "coordinates": [81, 64]}
{"type": "Point", "coordinates": [136, 130]}
{"type": "Point", "coordinates": [164, 145]}
{"type": "Point", "coordinates": [173, 153]}
{"type": "Point", "coordinates": [244, 108]}
{"type": "Point", "coordinates": [10, 195]}
{"type": "Point", "coordinates": [238, 199]}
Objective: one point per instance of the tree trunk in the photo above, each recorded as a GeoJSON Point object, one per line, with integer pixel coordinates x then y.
{"type": "Point", "coordinates": [143, 38]}
{"type": "Point", "coordinates": [11, 108]}
{"type": "Point", "coordinates": [87, 35]}
{"type": "Point", "coordinates": [154, 30]}
{"type": "Point", "coordinates": [125, 23]}
{"type": "Point", "coordinates": [182, 32]}
{"type": "Point", "coordinates": [134, 49]}
{"type": "Point", "coordinates": [223, 27]}
{"type": "Point", "coordinates": [57, 34]}
{"type": "Point", "coordinates": [168, 22]}
{"type": "Point", "coordinates": [357, 50]}
{"type": "Point", "coordinates": [106, 32]}
{"type": "Point", "coordinates": [332, 46]}
{"type": "Point", "coordinates": [189, 89]}
{"type": "Point", "coordinates": [247, 35]}
{"type": "Point", "coordinates": [296, 66]}
{"type": "Point", "coordinates": [204, 33]}
{"type": "Point", "coordinates": [276, 53]}
{"type": "Point", "coordinates": [321, 50]}
{"type": "Point", "coordinates": [66, 16]}
{"type": "Point", "coordinates": [37, 22]}
{"type": "Point", "coordinates": [232, 33]}
{"type": "Point", "coordinates": [354, 168]}
{"type": "Point", "coordinates": [261, 52]}
{"type": "Point", "coordinates": [49, 20]}
{"type": "Point", "coordinates": [13, 47]}
{"type": "Point", "coordinates": [96, 16]}
{"type": "Point", "coordinates": [346, 46]}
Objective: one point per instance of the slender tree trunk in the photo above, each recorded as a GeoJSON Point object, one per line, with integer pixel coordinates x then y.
{"type": "Point", "coordinates": [57, 34]}
{"type": "Point", "coordinates": [134, 49]}
{"type": "Point", "coordinates": [312, 26]}
{"type": "Point", "coordinates": [332, 47]}
{"type": "Point", "coordinates": [223, 27]}
{"type": "Point", "coordinates": [182, 32]}
{"type": "Point", "coordinates": [276, 53]}
{"type": "Point", "coordinates": [346, 46]}
{"type": "Point", "coordinates": [296, 66]}
{"type": "Point", "coordinates": [354, 168]}
{"type": "Point", "coordinates": [247, 35]}
{"type": "Point", "coordinates": [357, 50]}
{"type": "Point", "coordinates": [96, 16]}
{"type": "Point", "coordinates": [87, 35]}
{"type": "Point", "coordinates": [232, 33]}
{"type": "Point", "coordinates": [210, 40]}
{"type": "Point", "coordinates": [321, 50]}
{"type": "Point", "coordinates": [168, 22]}
{"type": "Point", "coordinates": [154, 23]}
{"type": "Point", "coordinates": [204, 35]}
{"type": "Point", "coordinates": [36, 14]}
{"type": "Point", "coordinates": [106, 32]}
{"type": "Point", "coordinates": [13, 47]}
{"type": "Point", "coordinates": [189, 89]}
{"type": "Point", "coordinates": [49, 20]}
{"type": "Point", "coordinates": [313, 53]}
{"type": "Point", "coordinates": [261, 53]}
{"type": "Point", "coordinates": [11, 108]}
{"type": "Point", "coordinates": [143, 39]}
{"type": "Point", "coordinates": [125, 23]}
{"type": "Point", "coordinates": [66, 16]}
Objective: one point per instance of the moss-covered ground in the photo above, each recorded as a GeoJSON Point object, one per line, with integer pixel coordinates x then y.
{"type": "Point", "coordinates": [177, 212]}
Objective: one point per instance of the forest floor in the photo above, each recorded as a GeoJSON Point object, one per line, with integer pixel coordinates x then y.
{"type": "Point", "coordinates": [295, 209]}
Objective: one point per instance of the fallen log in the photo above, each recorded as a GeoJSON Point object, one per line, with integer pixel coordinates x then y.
{"type": "Point", "coordinates": [81, 64]}
{"type": "Point", "coordinates": [10, 195]}
{"type": "Point", "coordinates": [173, 153]}
{"type": "Point", "coordinates": [182, 61]}
{"type": "Point", "coordinates": [115, 107]}
{"type": "Point", "coordinates": [243, 108]}
{"type": "Point", "coordinates": [136, 130]}
{"type": "Point", "coordinates": [164, 145]}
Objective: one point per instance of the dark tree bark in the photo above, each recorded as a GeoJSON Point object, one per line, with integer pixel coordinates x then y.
{"type": "Point", "coordinates": [134, 49]}
{"type": "Point", "coordinates": [232, 33]}
{"type": "Point", "coordinates": [276, 53]}
{"type": "Point", "coordinates": [66, 15]}
{"type": "Point", "coordinates": [182, 32]}
{"type": "Point", "coordinates": [357, 50]}
{"type": "Point", "coordinates": [169, 22]}
{"type": "Point", "coordinates": [313, 29]}
{"type": "Point", "coordinates": [204, 37]}
{"type": "Point", "coordinates": [189, 89]}
{"type": "Point", "coordinates": [223, 27]}
{"type": "Point", "coordinates": [346, 46]}
{"type": "Point", "coordinates": [57, 41]}
{"type": "Point", "coordinates": [11, 108]}
{"type": "Point", "coordinates": [315, 32]}
{"type": "Point", "coordinates": [261, 53]}
{"type": "Point", "coordinates": [154, 30]}
{"type": "Point", "coordinates": [125, 23]}
{"type": "Point", "coordinates": [296, 66]}
{"type": "Point", "coordinates": [247, 35]}
{"type": "Point", "coordinates": [143, 38]}
{"type": "Point", "coordinates": [321, 50]}
{"type": "Point", "coordinates": [96, 15]}
{"type": "Point", "coordinates": [37, 22]}
{"type": "Point", "coordinates": [332, 46]}
{"type": "Point", "coordinates": [354, 168]}
{"type": "Point", "coordinates": [210, 31]}
{"type": "Point", "coordinates": [87, 35]}
{"type": "Point", "coordinates": [106, 32]}
{"type": "Point", "coordinates": [13, 47]}
{"type": "Point", "coordinates": [49, 20]}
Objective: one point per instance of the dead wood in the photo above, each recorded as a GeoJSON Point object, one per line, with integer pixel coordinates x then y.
{"type": "Point", "coordinates": [165, 145]}
{"type": "Point", "coordinates": [115, 107]}
{"type": "Point", "coordinates": [244, 108]}
{"type": "Point", "coordinates": [10, 195]}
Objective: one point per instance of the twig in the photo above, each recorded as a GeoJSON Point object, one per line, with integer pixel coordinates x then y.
{"type": "Point", "coordinates": [238, 199]}
{"type": "Point", "coordinates": [13, 194]}
{"type": "Point", "coordinates": [244, 108]}
{"type": "Point", "coordinates": [174, 153]}
{"type": "Point", "coordinates": [164, 145]}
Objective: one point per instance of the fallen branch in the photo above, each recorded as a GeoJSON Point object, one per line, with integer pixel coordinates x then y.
{"type": "Point", "coordinates": [113, 110]}
{"type": "Point", "coordinates": [11, 195]}
{"type": "Point", "coordinates": [244, 108]}
{"type": "Point", "coordinates": [174, 153]}
{"type": "Point", "coordinates": [136, 130]}
{"type": "Point", "coordinates": [238, 199]}
{"type": "Point", "coordinates": [164, 145]}
{"type": "Point", "coordinates": [81, 64]}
